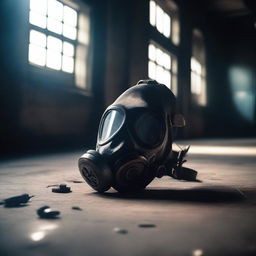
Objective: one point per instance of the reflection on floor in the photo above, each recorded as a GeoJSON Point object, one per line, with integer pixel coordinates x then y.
{"type": "Point", "coordinates": [213, 217]}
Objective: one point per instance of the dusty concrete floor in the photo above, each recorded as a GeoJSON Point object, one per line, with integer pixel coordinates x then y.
{"type": "Point", "coordinates": [214, 217]}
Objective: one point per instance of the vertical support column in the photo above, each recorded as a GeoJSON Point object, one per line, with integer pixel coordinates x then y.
{"type": "Point", "coordinates": [138, 62]}
{"type": "Point", "coordinates": [184, 99]}
{"type": "Point", "coordinates": [118, 50]}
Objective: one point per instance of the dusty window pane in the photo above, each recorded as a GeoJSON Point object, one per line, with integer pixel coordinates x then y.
{"type": "Point", "coordinates": [152, 52]}
{"type": "Point", "coordinates": [67, 64]}
{"type": "Point", "coordinates": [37, 38]}
{"type": "Point", "coordinates": [54, 25]}
{"type": "Point", "coordinates": [167, 61]}
{"type": "Point", "coordinates": [152, 70]}
{"type": "Point", "coordinates": [81, 66]}
{"type": "Point", "coordinates": [54, 43]}
{"type": "Point", "coordinates": [198, 71]}
{"type": "Point", "coordinates": [174, 84]}
{"type": "Point", "coordinates": [193, 82]}
{"type": "Point", "coordinates": [159, 19]}
{"type": "Point", "coordinates": [199, 68]}
{"type": "Point", "coordinates": [192, 64]}
{"type": "Point", "coordinates": [175, 30]}
{"type": "Point", "coordinates": [196, 76]}
{"type": "Point", "coordinates": [39, 6]}
{"type": "Point", "coordinates": [167, 25]}
{"type": "Point", "coordinates": [55, 10]}
{"type": "Point", "coordinates": [159, 74]}
{"type": "Point", "coordinates": [37, 19]}
{"type": "Point", "coordinates": [203, 98]}
{"type": "Point", "coordinates": [37, 54]}
{"type": "Point", "coordinates": [195, 65]}
{"type": "Point", "coordinates": [152, 13]}
{"type": "Point", "coordinates": [162, 59]}
{"type": "Point", "coordinates": [69, 32]}
{"type": "Point", "coordinates": [68, 49]}
{"type": "Point", "coordinates": [198, 84]}
{"type": "Point", "coordinates": [70, 16]}
{"type": "Point", "coordinates": [174, 65]}
{"type": "Point", "coordinates": [167, 79]}
{"type": "Point", "coordinates": [53, 60]}
{"type": "Point", "coordinates": [159, 57]}
{"type": "Point", "coordinates": [84, 31]}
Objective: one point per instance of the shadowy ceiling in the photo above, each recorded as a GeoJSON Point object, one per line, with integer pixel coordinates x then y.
{"type": "Point", "coordinates": [223, 8]}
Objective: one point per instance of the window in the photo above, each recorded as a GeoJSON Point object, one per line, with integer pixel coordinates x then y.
{"type": "Point", "coordinates": [198, 74]}
{"type": "Point", "coordinates": [166, 23]}
{"type": "Point", "coordinates": [162, 66]}
{"type": "Point", "coordinates": [162, 61]}
{"type": "Point", "coordinates": [160, 19]}
{"type": "Point", "coordinates": [59, 38]}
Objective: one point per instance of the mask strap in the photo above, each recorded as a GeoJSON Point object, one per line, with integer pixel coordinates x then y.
{"type": "Point", "coordinates": [173, 167]}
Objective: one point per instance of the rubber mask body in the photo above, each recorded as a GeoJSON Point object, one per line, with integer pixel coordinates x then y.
{"type": "Point", "coordinates": [134, 139]}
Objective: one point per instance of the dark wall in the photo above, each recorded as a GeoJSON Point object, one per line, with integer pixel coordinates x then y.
{"type": "Point", "coordinates": [231, 59]}
{"type": "Point", "coordinates": [230, 43]}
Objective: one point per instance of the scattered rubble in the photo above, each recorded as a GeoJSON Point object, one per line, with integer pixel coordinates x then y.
{"type": "Point", "coordinates": [16, 201]}
{"type": "Point", "coordinates": [76, 208]}
{"type": "Point", "coordinates": [62, 189]}
{"type": "Point", "coordinates": [146, 225]}
{"type": "Point", "coordinates": [120, 230]}
{"type": "Point", "coordinates": [46, 212]}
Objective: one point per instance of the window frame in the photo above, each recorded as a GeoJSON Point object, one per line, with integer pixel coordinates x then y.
{"type": "Point", "coordinates": [166, 44]}
{"type": "Point", "coordinates": [172, 71]}
{"type": "Point", "coordinates": [170, 9]}
{"type": "Point", "coordinates": [59, 78]}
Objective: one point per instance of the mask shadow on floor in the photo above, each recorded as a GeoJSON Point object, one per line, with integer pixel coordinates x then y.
{"type": "Point", "coordinates": [204, 194]}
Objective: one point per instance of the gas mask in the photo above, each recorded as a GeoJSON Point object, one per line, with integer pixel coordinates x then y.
{"type": "Point", "coordinates": [134, 143]}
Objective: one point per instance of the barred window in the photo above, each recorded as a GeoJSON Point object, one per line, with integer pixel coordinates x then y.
{"type": "Point", "coordinates": [162, 66]}
{"type": "Point", "coordinates": [59, 38]}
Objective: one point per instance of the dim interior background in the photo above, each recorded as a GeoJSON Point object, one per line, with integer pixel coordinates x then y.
{"type": "Point", "coordinates": [63, 62]}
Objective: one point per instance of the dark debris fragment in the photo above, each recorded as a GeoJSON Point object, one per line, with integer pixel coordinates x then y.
{"type": "Point", "coordinates": [46, 212]}
{"type": "Point", "coordinates": [17, 201]}
{"type": "Point", "coordinates": [146, 225]}
{"type": "Point", "coordinates": [77, 208]}
{"type": "Point", "coordinates": [120, 230]}
{"type": "Point", "coordinates": [62, 189]}
{"type": "Point", "coordinates": [75, 181]}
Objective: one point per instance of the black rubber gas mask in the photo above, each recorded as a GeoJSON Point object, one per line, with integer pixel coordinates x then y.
{"type": "Point", "coordinates": [134, 143]}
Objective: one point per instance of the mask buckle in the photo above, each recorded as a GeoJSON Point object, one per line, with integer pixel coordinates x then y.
{"type": "Point", "coordinates": [177, 169]}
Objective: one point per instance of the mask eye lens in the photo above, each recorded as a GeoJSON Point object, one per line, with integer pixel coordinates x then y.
{"type": "Point", "coordinates": [149, 129]}
{"type": "Point", "coordinates": [111, 124]}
